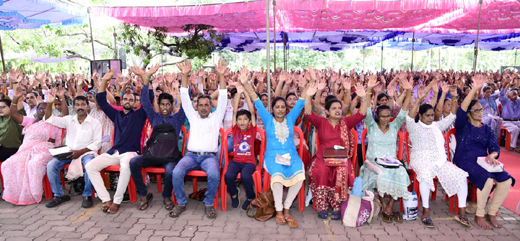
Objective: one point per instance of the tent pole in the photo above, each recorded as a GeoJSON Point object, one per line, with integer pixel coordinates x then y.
{"type": "Point", "coordinates": [516, 51]}
{"type": "Point", "coordinates": [381, 57]}
{"type": "Point", "coordinates": [478, 35]}
{"type": "Point", "coordinates": [413, 49]}
{"type": "Point", "coordinates": [439, 67]}
{"type": "Point", "coordinates": [2, 53]}
{"type": "Point", "coordinates": [274, 33]}
{"type": "Point", "coordinates": [363, 59]}
{"type": "Point", "coordinates": [91, 36]}
{"type": "Point", "coordinates": [267, 47]}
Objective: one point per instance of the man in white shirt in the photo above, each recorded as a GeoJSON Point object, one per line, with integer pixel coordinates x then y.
{"type": "Point", "coordinates": [30, 99]}
{"type": "Point", "coordinates": [203, 141]}
{"type": "Point", "coordinates": [83, 138]}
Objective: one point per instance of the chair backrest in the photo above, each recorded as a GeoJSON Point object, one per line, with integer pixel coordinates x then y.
{"type": "Point", "coordinates": [447, 141]}
{"type": "Point", "coordinates": [364, 144]}
{"type": "Point", "coordinates": [184, 141]}
{"type": "Point", "coordinates": [300, 146]}
{"type": "Point", "coordinates": [263, 145]}
{"type": "Point", "coordinates": [407, 145]}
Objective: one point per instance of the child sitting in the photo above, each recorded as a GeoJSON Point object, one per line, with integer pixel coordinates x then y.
{"type": "Point", "coordinates": [244, 161]}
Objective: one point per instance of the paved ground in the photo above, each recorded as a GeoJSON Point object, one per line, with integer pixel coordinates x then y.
{"type": "Point", "coordinates": [70, 222]}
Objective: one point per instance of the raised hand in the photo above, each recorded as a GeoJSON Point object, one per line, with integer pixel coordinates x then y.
{"type": "Point", "coordinates": [153, 69]}
{"type": "Point", "coordinates": [406, 85]}
{"type": "Point", "coordinates": [51, 97]}
{"type": "Point", "coordinates": [17, 94]}
{"type": "Point", "coordinates": [221, 67]}
{"type": "Point", "coordinates": [421, 92]}
{"type": "Point", "coordinates": [372, 81]}
{"type": "Point", "coordinates": [346, 82]}
{"type": "Point", "coordinates": [38, 76]}
{"type": "Point", "coordinates": [185, 67]}
{"type": "Point", "coordinates": [243, 77]}
{"type": "Point", "coordinates": [453, 91]}
{"type": "Point", "coordinates": [313, 88]}
{"type": "Point", "coordinates": [391, 88]}
{"type": "Point", "coordinates": [284, 77]}
{"type": "Point", "coordinates": [136, 70]}
{"type": "Point", "coordinates": [312, 73]}
{"type": "Point", "coordinates": [14, 74]}
{"type": "Point", "coordinates": [360, 90]}
{"type": "Point", "coordinates": [193, 79]}
{"type": "Point", "coordinates": [108, 76]}
{"type": "Point", "coordinates": [445, 87]}
{"type": "Point", "coordinates": [322, 84]}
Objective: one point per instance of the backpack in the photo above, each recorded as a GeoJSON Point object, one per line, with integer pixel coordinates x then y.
{"type": "Point", "coordinates": [162, 146]}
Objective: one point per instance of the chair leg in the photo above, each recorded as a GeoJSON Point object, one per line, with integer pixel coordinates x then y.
{"type": "Point", "coordinates": [301, 199]}
{"type": "Point", "coordinates": [194, 181]}
{"type": "Point", "coordinates": [47, 188]}
{"type": "Point", "coordinates": [132, 190]}
{"type": "Point", "coordinates": [508, 141]}
{"type": "Point", "coordinates": [223, 195]}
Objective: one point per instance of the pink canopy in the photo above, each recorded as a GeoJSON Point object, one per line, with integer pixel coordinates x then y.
{"type": "Point", "coordinates": [445, 16]}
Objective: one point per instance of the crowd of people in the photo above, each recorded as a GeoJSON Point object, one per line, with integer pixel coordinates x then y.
{"type": "Point", "coordinates": [106, 121]}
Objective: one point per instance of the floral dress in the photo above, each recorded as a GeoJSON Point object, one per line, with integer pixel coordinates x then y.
{"type": "Point", "coordinates": [391, 181]}
{"type": "Point", "coordinates": [428, 157]}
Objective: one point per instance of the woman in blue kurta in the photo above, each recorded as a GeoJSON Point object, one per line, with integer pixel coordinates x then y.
{"type": "Point", "coordinates": [279, 128]}
{"type": "Point", "coordinates": [475, 139]}
{"type": "Point", "coordinates": [382, 138]}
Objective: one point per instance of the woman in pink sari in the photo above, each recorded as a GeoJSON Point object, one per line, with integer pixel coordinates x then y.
{"type": "Point", "coordinates": [23, 172]}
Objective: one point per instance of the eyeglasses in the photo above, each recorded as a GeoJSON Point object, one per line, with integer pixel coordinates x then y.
{"type": "Point", "coordinates": [477, 110]}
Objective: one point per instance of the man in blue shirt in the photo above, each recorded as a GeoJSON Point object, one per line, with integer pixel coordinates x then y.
{"type": "Point", "coordinates": [165, 117]}
{"type": "Point", "coordinates": [128, 125]}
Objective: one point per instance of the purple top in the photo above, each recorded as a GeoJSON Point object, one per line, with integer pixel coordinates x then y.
{"type": "Point", "coordinates": [510, 109]}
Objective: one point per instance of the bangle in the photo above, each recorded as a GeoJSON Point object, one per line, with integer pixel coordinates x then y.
{"type": "Point", "coordinates": [363, 100]}
{"type": "Point", "coordinates": [13, 104]}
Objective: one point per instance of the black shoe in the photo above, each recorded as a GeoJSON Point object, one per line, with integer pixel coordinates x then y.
{"type": "Point", "coordinates": [87, 202]}
{"type": "Point", "coordinates": [126, 198]}
{"type": "Point", "coordinates": [235, 202]}
{"type": "Point", "coordinates": [246, 204]}
{"type": "Point", "coordinates": [55, 201]}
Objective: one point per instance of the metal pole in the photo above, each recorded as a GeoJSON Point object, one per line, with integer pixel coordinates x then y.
{"type": "Point", "coordinates": [284, 50]}
{"type": "Point", "coordinates": [516, 51]}
{"type": "Point", "coordinates": [91, 36]}
{"type": "Point", "coordinates": [2, 53]}
{"type": "Point", "coordinates": [267, 46]}
{"type": "Point", "coordinates": [413, 48]}
{"type": "Point", "coordinates": [478, 35]}
{"type": "Point", "coordinates": [382, 57]}
{"type": "Point", "coordinates": [439, 67]}
{"type": "Point", "coordinates": [274, 35]}
{"type": "Point", "coordinates": [115, 44]}
{"type": "Point", "coordinates": [363, 59]}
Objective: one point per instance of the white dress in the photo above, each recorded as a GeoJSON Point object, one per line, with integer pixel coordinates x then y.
{"type": "Point", "coordinates": [428, 157]}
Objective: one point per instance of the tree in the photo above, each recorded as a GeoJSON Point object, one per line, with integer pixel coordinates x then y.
{"type": "Point", "coordinates": [199, 43]}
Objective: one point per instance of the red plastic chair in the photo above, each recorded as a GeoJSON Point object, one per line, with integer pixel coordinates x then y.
{"type": "Point", "coordinates": [257, 175]}
{"type": "Point", "coordinates": [199, 173]}
{"type": "Point", "coordinates": [301, 193]}
{"type": "Point", "coordinates": [504, 130]}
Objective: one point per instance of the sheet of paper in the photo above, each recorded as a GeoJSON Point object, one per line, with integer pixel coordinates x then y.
{"type": "Point", "coordinates": [59, 150]}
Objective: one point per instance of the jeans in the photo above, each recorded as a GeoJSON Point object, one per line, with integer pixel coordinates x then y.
{"type": "Point", "coordinates": [247, 170]}
{"type": "Point", "coordinates": [190, 162]}
{"type": "Point", "coordinates": [139, 162]}
{"type": "Point", "coordinates": [53, 173]}
{"type": "Point", "coordinates": [229, 148]}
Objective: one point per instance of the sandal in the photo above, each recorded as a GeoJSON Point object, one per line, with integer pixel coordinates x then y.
{"type": "Point", "coordinates": [387, 218]}
{"type": "Point", "coordinates": [177, 211]}
{"type": "Point", "coordinates": [336, 215]}
{"type": "Point", "coordinates": [291, 222]}
{"type": "Point", "coordinates": [398, 217]}
{"type": "Point", "coordinates": [463, 220]}
{"type": "Point", "coordinates": [211, 213]}
{"type": "Point", "coordinates": [144, 205]}
{"type": "Point", "coordinates": [323, 215]}
{"type": "Point", "coordinates": [168, 204]}
{"type": "Point", "coordinates": [427, 221]}
{"type": "Point", "coordinates": [280, 220]}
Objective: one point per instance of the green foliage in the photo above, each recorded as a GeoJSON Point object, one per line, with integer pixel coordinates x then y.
{"type": "Point", "coordinates": [199, 44]}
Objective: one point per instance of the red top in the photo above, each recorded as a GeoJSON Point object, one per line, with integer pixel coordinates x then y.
{"type": "Point", "coordinates": [244, 144]}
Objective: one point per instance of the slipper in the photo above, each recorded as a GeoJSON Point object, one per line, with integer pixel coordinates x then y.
{"type": "Point", "coordinates": [177, 211]}
{"type": "Point", "coordinates": [323, 215]}
{"type": "Point", "coordinates": [427, 221]}
{"type": "Point", "coordinates": [291, 222]}
{"type": "Point", "coordinates": [168, 204]}
{"type": "Point", "coordinates": [336, 215]}
{"type": "Point", "coordinates": [463, 220]}
{"type": "Point", "coordinates": [211, 213]}
{"type": "Point", "coordinates": [280, 220]}
{"type": "Point", "coordinates": [398, 217]}
{"type": "Point", "coordinates": [387, 218]}
{"type": "Point", "coordinates": [144, 205]}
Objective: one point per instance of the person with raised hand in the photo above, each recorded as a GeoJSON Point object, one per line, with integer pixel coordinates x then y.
{"type": "Point", "coordinates": [474, 140]}
{"type": "Point", "coordinates": [203, 141]}
{"type": "Point", "coordinates": [382, 138]}
{"type": "Point", "coordinates": [328, 184]}
{"type": "Point", "coordinates": [23, 172]}
{"type": "Point", "coordinates": [83, 138]}
{"type": "Point", "coordinates": [279, 127]}
{"type": "Point", "coordinates": [511, 111]}
{"type": "Point", "coordinates": [165, 116]}
{"type": "Point", "coordinates": [128, 125]}
{"type": "Point", "coordinates": [428, 157]}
